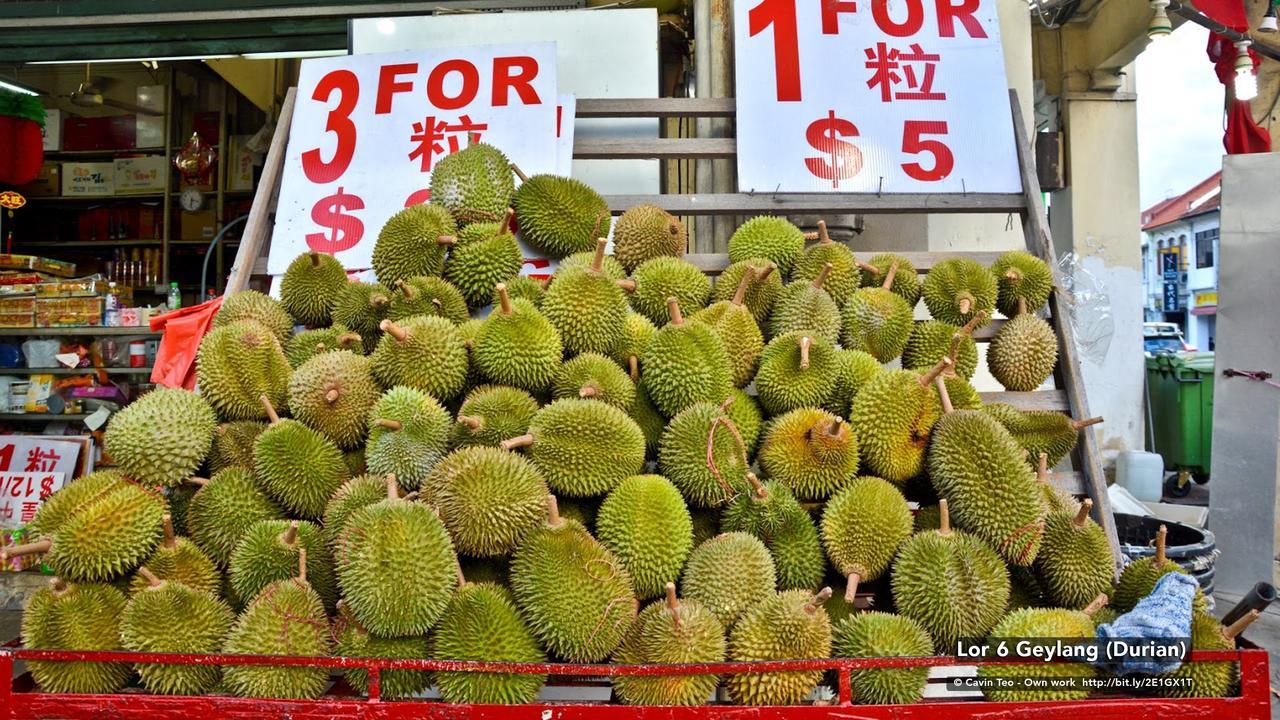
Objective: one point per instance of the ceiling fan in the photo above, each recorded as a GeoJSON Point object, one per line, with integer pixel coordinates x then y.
{"type": "Point", "coordinates": [89, 95]}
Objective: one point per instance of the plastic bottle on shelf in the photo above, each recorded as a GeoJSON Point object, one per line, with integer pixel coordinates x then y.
{"type": "Point", "coordinates": [175, 296]}
{"type": "Point", "coordinates": [112, 302]}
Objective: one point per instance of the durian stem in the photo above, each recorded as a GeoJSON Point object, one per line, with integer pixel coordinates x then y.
{"type": "Point", "coordinates": [149, 576]}
{"type": "Point", "coordinates": [271, 410]}
{"type": "Point", "coordinates": [393, 490]}
{"type": "Point", "coordinates": [1042, 468]}
{"type": "Point", "coordinates": [394, 330]}
{"type": "Point", "coordinates": [315, 260]}
{"type": "Point", "coordinates": [290, 535]}
{"type": "Point", "coordinates": [472, 422]}
{"type": "Point", "coordinates": [805, 342]}
{"type": "Point", "coordinates": [197, 481]}
{"type": "Point", "coordinates": [1239, 626]}
{"type": "Point", "coordinates": [964, 305]}
{"type": "Point", "coordinates": [867, 267]}
{"type": "Point", "coordinates": [633, 363]}
{"type": "Point", "coordinates": [934, 372]}
{"type": "Point", "coordinates": [332, 396]}
{"type": "Point", "coordinates": [757, 487]}
{"type": "Point", "coordinates": [507, 218]}
{"type": "Point", "coordinates": [504, 299]}
{"type": "Point", "coordinates": [766, 272]}
{"type": "Point", "coordinates": [724, 406]}
{"type": "Point", "coordinates": [1022, 306]}
{"type": "Point", "coordinates": [822, 276]}
{"type": "Point", "coordinates": [169, 539]}
{"type": "Point", "coordinates": [673, 605]}
{"type": "Point", "coordinates": [673, 307]}
{"type": "Point", "coordinates": [588, 391]}
{"type": "Point", "coordinates": [888, 278]}
{"type": "Point", "coordinates": [404, 289]}
{"type": "Point", "coordinates": [553, 512]}
{"type": "Point", "coordinates": [628, 285]}
{"type": "Point", "coordinates": [1083, 515]}
{"type": "Point", "coordinates": [379, 301]}
{"type": "Point", "coordinates": [439, 305]}
{"type": "Point", "coordinates": [740, 293]}
{"type": "Point", "coordinates": [972, 325]}
{"type": "Point", "coordinates": [821, 597]}
{"type": "Point", "coordinates": [823, 237]}
{"type": "Point", "coordinates": [320, 347]}
{"type": "Point", "coordinates": [59, 585]}
{"type": "Point", "coordinates": [943, 395]}
{"type": "Point", "coordinates": [411, 496]}
{"type": "Point", "coordinates": [13, 551]}
{"type": "Point", "coordinates": [851, 589]}
{"type": "Point", "coordinates": [388, 423]}
{"type": "Point", "coordinates": [347, 339]}
{"type": "Point", "coordinates": [457, 565]}
{"type": "Point", "coordinates": [518, 441]}
{"type": "Point", "coordinates": [1012, 274]}
{"type": "Point", "coordinates": [519, 173]}
{"type": "Point", "coordinates": [954, 354]}
{"type": "Point", "coordinates": [944, 518]}
{"type": "Point", "coordinates": [1161, 536]}
{"type": "Point", "coordinates": [597, 262]}
{"type": "Point", "coordinates": [1097, 604]}
{"type": "Point", "coordinates": [1082, 424]}
{"type": "Point", "coordinates": [447, 240]}
{"type": "Point", "coordinates": [302, 564]}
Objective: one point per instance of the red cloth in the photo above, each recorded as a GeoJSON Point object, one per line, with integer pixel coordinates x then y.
{"type": "Point", "coordinates": [1228, 12]}
{"type": "Point", "coordinates": [183, 329]}
{"type": "Point", "coordinates": [1243, 135]}
{"type": "Point", "coordinates": [21, 150]}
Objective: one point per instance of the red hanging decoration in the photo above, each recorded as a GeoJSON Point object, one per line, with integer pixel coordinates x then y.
{"type": "Point", "coordinates": [21, 140]}
{"type": "Point", "coordinates": [195, 160]}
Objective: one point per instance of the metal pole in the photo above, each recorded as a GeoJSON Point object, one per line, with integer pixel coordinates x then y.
{"type": "Point", "coordinates": [721, 52]}
{"type": "Point", "coordinates": [704, 177]}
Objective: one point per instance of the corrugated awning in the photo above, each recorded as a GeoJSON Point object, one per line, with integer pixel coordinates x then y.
{"type": "Point", "coordinates": [1205, 310]}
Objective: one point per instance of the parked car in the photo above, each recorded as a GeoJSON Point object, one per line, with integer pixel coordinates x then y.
{"type": "Point", "coordinates": [1163, 337]}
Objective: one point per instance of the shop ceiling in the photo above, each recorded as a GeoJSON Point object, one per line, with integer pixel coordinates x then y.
{"type": "Point", "coordinates": [96, 30]}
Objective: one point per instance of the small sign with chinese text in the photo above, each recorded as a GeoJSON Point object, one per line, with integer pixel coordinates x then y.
{"type": "Point", "coordinates": [872, 96]}
{"type": "Point", "coordinates": [368, 129]}
{"type": "Point", "coordinates": [31, 469]}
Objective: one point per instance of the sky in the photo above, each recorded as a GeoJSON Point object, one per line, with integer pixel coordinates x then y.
{"type": "Point", "coordinates": [1180, 119]}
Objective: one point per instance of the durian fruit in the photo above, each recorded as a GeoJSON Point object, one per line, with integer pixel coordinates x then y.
{"type": "Point", "coordinates": [844, 276]}
{"type": "Point", "coordinates": [426, 353]}
{"type": "Point", "coordinates": [738, 331]}
{"type": "Point", "coordinates": [524, 288]}
{"type": "Point", "coordinates": [354, 460]}
{"type": "Point", "coordinates": [762, 292]}
{"type": "Point", "coordinates": [474, 184]}
{"type": "Point", "coordinates": [489, 499]}
{"type": "Point", "coordinates": [270, 551]}
{"type": "Point", "coordinates": [976, 464]}
{"type": "Point", "coordinates": [586, 307]}
{"type": "Point", "coordinates": [475, 267]}
{"type": "Point", "coordinates": [310, 288]}
{"type": "Point", "coordinates": [573, 592]}
{"type": "Point", "coordinates": [166, 616]}
{"type": "Point", "coordinates": [237, 364]}
{"type": "Point", "coordinates": [706, 525]}
{"type": "Point", "coordinates": [806, 307]}
{"type": "Point", "coordinates": [410, 244]}
{"type": "Point", "coordinates": [660, 278]}
{"type": "Point", "coordinates": [560, 216]}
{"type": "Point", "coordinates": [105, 536]}
{"type": "Point", "coordinates": [796, 370]}
{"type": "Point", "coordinates": [1074, 564]}
{"type": "Point", "coordinates": [647, 418]}
{"type": "Point", "coordinates": [1023, 353]}
{"type": "Point", "coordinates": [1062, 625]}
{"type": "Point", "coordinates": [729, 574]}
{"type": "Point", "coordinates": [162, 437]}
{"type": "Point", "coordinates": [286, 618]}
{"type": "Point", "coordinates": [396, 565]}
{"type": "Point", "coordinates": [179, 499]}
{"type": "Point", "coordinates": [351, 639]}
{"type": "Point", "coordinates": [309, 343]}
{"type": "Point", "coordinates": [592, 376]}
{"type": "Point", "coordinates": [675, 631]}
{"type": "Point", "coordinates": [932, 340]}
{"type": "Point", "coordinates": [224, 508]}
{"type": "Point", "coordinates": [361, 307]}
{"type": "Point", "coordinates": [481, 623]}
{"type": "Point", "coordinates": [686, 363]}
{"type": "Point", "coordinates": [609, 265]}
{"type": "Point", "coordinates": [957, 289]}
{"type": "Point", "coordinates": [297, 466]}
{"type": "Point", "coordinates": [771, 513]}
{"type": "Point", "coordinates": [1140, 576]}
{"type": "Point", "coordinates": [789, 625]}
{"type": "Point", "coordinates": [356, 493]}
{"type": "Point", "coordinates": [1210, 679]}
{"type": "Point", "coordinates": [1025, 590]}
{"type": "Point", "coordinates": [862, 528]}
{"type": "Point", "coordinates": [645, 523]}
{"type": "Point", "coordinates": [950, 582]}
{"type": "Point", "coordinates": [645, 232]}
{"type": "Point", "coordinates": [1055, 499]}
{"type": "Point", "coordinates": [892, 417]}
{"type": "Point", "coordinates": [1021, 275]}
{"type": "Point", "coordinates": [430, 296]}
{"type": "Point", "coordinates": [877, 320]}
{"type": "Point", "coordinates": [1040, 431]}
{"type": "Point", "coordinates": [178, 560]}
{"type": "Point", "coordinates": [744, 410]}
{"type": "Point", "coordinates": [706, 479]}
{"type": "Point", "coordinates": [876, 635]}
{"type": "Point", "coordinates": [856, 368]}
{"type": "Point", "coordinates": [518, 346]}
{"type": "Point", "coordinates": [906, 283]}
{"type": "Point", "coordinates": [408, 434]}
{"type": "Point", "coordinates": [75, 616]}
{"type": "Point", "coordinates": [64, 504]}
{"type": "Point", "coordinates": [769, 237]}
{"type": "Point", "coordinates": [253, 305]}
{"type": "Point", "coordinates": [811, 451]}
{"type": "Point", "coordinates": [637, 333]}
{"type": "Point", "coordinates": [332, 394]}
{"type": "Point", "coordinates": [491, 414]}
{"type": "Point", "coordinates": [582, 447]}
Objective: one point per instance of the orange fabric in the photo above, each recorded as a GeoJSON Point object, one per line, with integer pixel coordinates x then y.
{"type": "Point", "coordinates": [183, 330]}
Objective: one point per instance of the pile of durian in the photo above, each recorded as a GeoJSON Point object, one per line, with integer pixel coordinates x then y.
{"type": "Point", "coordinates": [630, 464]}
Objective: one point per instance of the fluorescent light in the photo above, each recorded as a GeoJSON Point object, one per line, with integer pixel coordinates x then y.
{"type": "Point", "coordinates": [386, 26]}
{"type": "Point", "coordinates": [1160, 26]}
{"type": "Point", "coordinates": [1246, 83]}
{"type": "Point", "coordinates": [98, 61]}
{"type": "Point", "coordinates": [17, 88]}
{"type": "Point", "coordinates": [285, 54]}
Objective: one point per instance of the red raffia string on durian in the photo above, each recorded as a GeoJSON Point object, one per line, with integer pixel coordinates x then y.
{"type": "Point", "coordinates": [729, 492]}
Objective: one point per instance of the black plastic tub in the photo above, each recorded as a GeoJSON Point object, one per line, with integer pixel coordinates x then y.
{"type": "Point", "coordinates": [1191, 547]}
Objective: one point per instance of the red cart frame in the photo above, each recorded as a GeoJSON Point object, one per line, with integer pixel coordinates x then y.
{"type": "Point", "coordinates": [18, 699]}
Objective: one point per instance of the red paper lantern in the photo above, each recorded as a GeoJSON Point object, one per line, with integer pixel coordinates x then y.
{"type": "Point", "coordinates": [21, 140]}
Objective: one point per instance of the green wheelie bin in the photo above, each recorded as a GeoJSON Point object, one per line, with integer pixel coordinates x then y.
{"type": "Point", "coordinates": [1180, 391]}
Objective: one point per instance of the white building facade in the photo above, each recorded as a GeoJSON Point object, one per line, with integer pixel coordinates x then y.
{"type": "Point", "coordinates": [1180, 261]}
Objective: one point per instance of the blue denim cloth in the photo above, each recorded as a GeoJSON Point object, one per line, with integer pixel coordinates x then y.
{"type": "Point", "coordinates": [1165, 613]}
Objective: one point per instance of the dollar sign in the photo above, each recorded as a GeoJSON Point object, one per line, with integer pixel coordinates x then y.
{"type": "Point", "coordinates": [843, 159]}
{"type": "Point", "coordinates": [345, 230]}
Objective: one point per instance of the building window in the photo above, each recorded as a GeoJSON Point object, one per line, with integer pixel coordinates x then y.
{"type": "Point", "coordinates": [1205, 240]}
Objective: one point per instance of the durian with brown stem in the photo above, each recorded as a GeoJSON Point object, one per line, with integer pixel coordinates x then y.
{"type": "Point", "coordinates": [644, 232]}
{"type": "Point", "coordinates": [361, 307]}
{"type": "Point", "coordinates": [1140, 576]}
{"type": "Point", "coordinates": [761, 294]}
{"type": "Point", "coordinates": [796, 370]}
{"type": "Point", "coordinates": [737, 329]}
{"type": "Point", "coordinates": [1075, 563]}
{"type": "Point", "coordinates": [427, 295]}
{"type": "Point", "coordinates": [877, 320]}
{"type": "Point", "coordinates": [845, 275]}
{"type": "Point", "coordinates": [179, 560]}
{"type": "Point", "coordinates": [892, 417]}
{"type": "Point", "coordinates": [582, 447]}
{"type": "Point", "coordinates": [1041, 431]}
{"type": "Point", "coordinates": [586, 307]}
{"type": "Point", "coordinates": [427, 353]}
{"type": "Point", "coordinates": [862, 527]}
{"type": "Point", "coordinates": [811, 451]}
{"type": "Point", "coordinates": [958, 288]}
{"type": "Point", "coordinates": [675, 631]}
{"type": "Point", "coordinates": [906, 284]}
{"type": "Point", "coordinates": [297, 466]}
{"type": "Point", "coordinates": [310, 287]}
{"type": "Point", "coordinates": [1024, 352]}
{"type": "Point", "coordinates": [932, 340]}
{"type": "Point", "coordinates": [657, 279]}
{"type": "Point", "coordinates": [475, 267]}
{"type": "Point", "coordinates": [518, 345]}
{"type": "Point", "coordinates": [1210, 679]}
{"type": "Point", "coordinates": [686, 363]}
{"type": "Point", "coordinates": [309, 343]}
{"type": "Point", "coordinates": [787, 626]}
{"type": "Point", "coordinates": [806, 307]}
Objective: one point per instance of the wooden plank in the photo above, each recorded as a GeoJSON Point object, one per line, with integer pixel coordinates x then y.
{"type": "Point", "coordinates": [819, 203]}
{"type": "Point", "coordinates": [654, 148]}
{"type": "Point", "coordinates": [655, 107]}
{"type": "Point", "coordinates": [1086, 456]}
{"type": "Point", "coordinates": [1070, 482]}
{"type": "Point", "coordinates": [1036, 400]}
{"type": "Point", "coordinates": [258, 226]}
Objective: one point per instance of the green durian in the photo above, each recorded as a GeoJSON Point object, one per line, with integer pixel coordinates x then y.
{"type": "Point", "coordinates": [593, 376]}
{"type": "Point", "coordinates": [226, 506]}
{"type": "Point", "coordinates": [165, 616]}
{"type": "Point", "coordinates": [356, 493]}
{"type": "Point", "coordinates": [877, 320]}
{"type": "Point", "coordinates": [768, 237]}
{"type": "Point", "coordinates": [253, 305]}
{"type": "Point", "coordinates": [811, 451]}
{"type": "Point", "coordinates": [674, 631]}
{"type": "Point", "coordinates": [351, 639]}
{"type": "Point", "coordinates": [637, 333]}
{"type": "Point", "coordinates": [332, 394]}
{"type": "Point", "coordinates": [427, 295]}
{"type": "Point", "coordinates": [862, 528]}
{"type": "Point", "coordinates": [74, 496]}
{"type": "Point", "coordinates": [1023, 353]}
{"type": "Point", "coordinates": [686, 363]}
{"type": "Point", "coordinates": [744, 410]}
{"type": "Point", "coordinates": [523, 287]}
{"type": "Point", "coordinates": [491, 414]}
{"type": "Point", "coordinates": [844, 276]}
{"type": "Point", "coordinates": [476, 267]}
{"type": "Point", "coordinates": [1210, 679]}
{"type": "Point", "coordinates": [560, 216]}
{"type": "Point", "coordinates": [738, 331]}
{"type": "Point", "coordinates": [270, 550]}
{"type": "Point", "coordinates": [789, 625]}
{"type": "Point", "coordinates": [648, 419]}
{"type": "Point", "coordinates": [905, 284]}
{"type": "Point", "coordinates": [489, 499]}
{"type": "Point", "coordinates": [162, 437]}
{"type": "Point", "coordinates": [932, 340]}
{"type": "Point", "coordinates": [586, 307]}
{"type": "Point", "coordinates": [75, 616]}
{"type": "Point", "coordinates": [582, 447]}
{"type": "Point", "coordinates": [1021, 276]}
{"type": "Point", "coordinates": [361, 307]}
{"type": "Point", "coordinates": [475, 184]}
{"type": "Point", "coordinates": [409, 244]}
{"type": "Point", "coordinates": [309, 343]}
{"type": "Point", "coordinates": [239, 363]}
{"type": "Point", "coordinates": [806, 307]}
{"type": "Point", "coordinates": [957, 289]}
{"type": "Point", "coordinates": [609, 265]}
{"type": "Point", "coordinates": [879, 634]}
{"type": "Point", "coordinates": [408, 434]}
{"type": "Point", "coordinates": [1074, 564]}
{"type": "Point", "coordinates": [645, 523]}
{"type": "Point", "coordinates": [683, 456]}
{"type": "Point", "coordinates": [856, 368]}
{"type": "Point", "coordinates": [1140, 576]}
{"type": "Point", "coordinates": [1061, 625]}
{"type": "Point", "coordinates": [645, 232]}
{"type": "Point", "coordinates": [762, 291]}
{"type": "Point", "coordinates": [518, 346]}
{"type": "Point", "coordinates": [426, 353]}
{"type": "Point", "coordinates": [656, 280]}
{"type": "Point", "coordinates": [297, 466]}
{"type": "Point", "coordinates": [729, 574]}
{"type": "Point", "coordinates": [481, 624]}
{"type": "Point", "coordinates": [1040, 431]}
{"type": "Point", "coordinates": [892, 417]}
{"type": "Point", "coordinates": [770, 512]}
{"type": "Point", "coordinates": [796, 370]}
{"type": "Point", "coordinates": [178, 560]}
{"type": "Point", "coordinates": [310, 287]}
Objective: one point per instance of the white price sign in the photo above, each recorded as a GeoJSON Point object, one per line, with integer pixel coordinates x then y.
{"type": "Point", "coordinates": [368, 129]}
{"type": "Point", "coordinates": [872, 96]}
{"type": "Point", "coordinates": [31, 469]}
